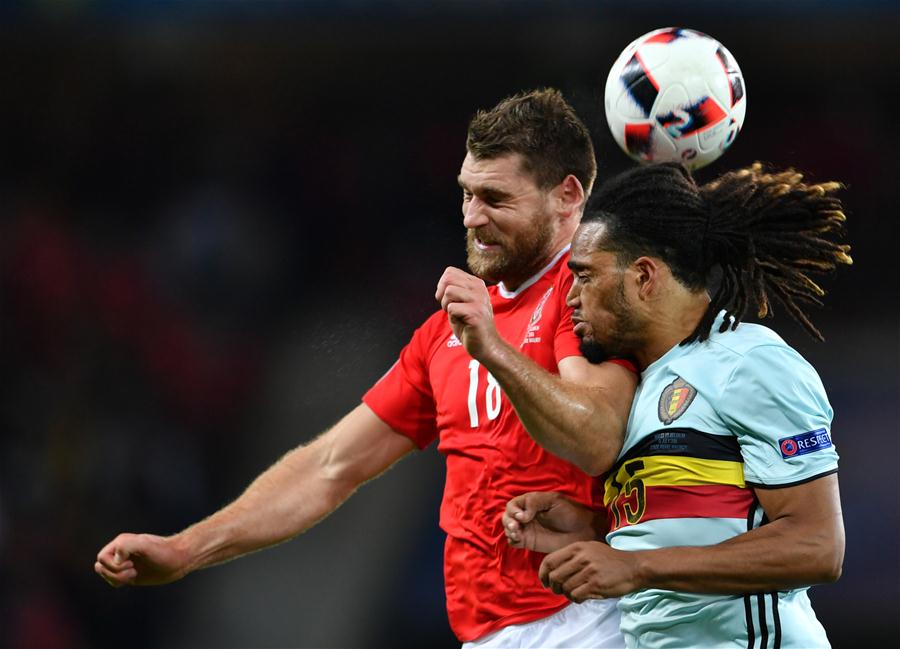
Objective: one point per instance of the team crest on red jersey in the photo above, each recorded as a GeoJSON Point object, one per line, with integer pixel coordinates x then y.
{"type": "Point", "coordinates": [531, 335]}
{"type": "Point", "coordinates": [539, 311]}
{"type": "Point", "coordinates": [675, 399]}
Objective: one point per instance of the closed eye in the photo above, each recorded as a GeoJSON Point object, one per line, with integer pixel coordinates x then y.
{"type": "Point", "coordinates": [494, 198]}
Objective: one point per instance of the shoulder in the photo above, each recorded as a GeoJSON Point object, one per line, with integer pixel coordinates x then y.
{"type": "Point", "coordinates": [558, 281]}
{"type": "Point", "coordinates": [436, 321]}
{"type": "Point", "coordinates": [751, 363]}
{"type": "Point", "coordinates": [561, 273]}
{"type": "Point", "coordinates": [754, 348]}
{"type": "Point", "coordinates": [436, 329]}
{"type": "Point", "coordinates": [756, 345]}
{"type": "Point", "coordinates": [745, 339]}
{"type": "Point", "coordinates": [714, 362]}
{"type": "Point", "coordinates": [764, 367]}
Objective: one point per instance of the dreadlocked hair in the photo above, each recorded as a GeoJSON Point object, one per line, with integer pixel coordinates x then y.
{"type": "Point", "coordinates": [762, 232]}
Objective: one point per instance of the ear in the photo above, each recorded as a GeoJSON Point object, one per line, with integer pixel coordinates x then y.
{"type": "Point", "coordinates": [648, 276]}
{"type": "Point", "coordinates": [568, 197]}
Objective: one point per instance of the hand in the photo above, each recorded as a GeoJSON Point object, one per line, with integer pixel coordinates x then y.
{"type": "Point", "coordinates": [465, 299]}
{"type": "Point", "coordinates": [544, 522]}
{"type": "Point", "coordinates": [590, 570]}
{"type": "Point", "coordinates": [141, 560]}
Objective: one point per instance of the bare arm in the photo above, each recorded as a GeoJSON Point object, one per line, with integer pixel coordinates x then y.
{"type": "Point", "coordinates": [296, 492]}
{"type": "Point", "coordinates": [803, 544]}
{"type": "Point", "coordinates": [579, 415]}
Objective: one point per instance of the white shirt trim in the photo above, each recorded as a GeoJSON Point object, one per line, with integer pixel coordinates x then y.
{"type": "Point", "coordinates": [509, 295]}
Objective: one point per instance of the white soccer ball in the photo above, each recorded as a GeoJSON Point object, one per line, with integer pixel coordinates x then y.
{"type": "Point", "coordinates": [675, 95]}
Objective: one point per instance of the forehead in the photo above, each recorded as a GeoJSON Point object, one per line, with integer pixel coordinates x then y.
{"type": "Point", "coordinates": [587, 247]}
{"type": "Point", "coordinates": [505, 172]}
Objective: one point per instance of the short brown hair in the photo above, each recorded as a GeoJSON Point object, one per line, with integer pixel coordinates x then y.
{"type": "Point", "coordinates": [544, 129]}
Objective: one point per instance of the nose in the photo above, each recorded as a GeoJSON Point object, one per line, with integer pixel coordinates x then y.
{"type": "Point", "coordinates": [474, 213]}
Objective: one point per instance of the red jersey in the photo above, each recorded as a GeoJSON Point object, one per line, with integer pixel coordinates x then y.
{"type": "Point", "coordinates": [436, 390]}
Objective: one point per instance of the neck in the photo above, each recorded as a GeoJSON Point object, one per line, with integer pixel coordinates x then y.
{"type": "Point", "coordinates": [674, 322]}
{"type": "Point", "coordinates": [510, 287]}
{"type": "Point", "coordinates": [562, 239]}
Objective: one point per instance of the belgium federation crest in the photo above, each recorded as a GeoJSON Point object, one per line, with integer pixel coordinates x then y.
{"type": "Point", "coordinates": [675, 399]}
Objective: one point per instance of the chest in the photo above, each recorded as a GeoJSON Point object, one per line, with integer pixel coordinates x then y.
{"type": "Point", "coordinates": [467, 397]}
{"type": "Point", "coordinates": [675, 397]}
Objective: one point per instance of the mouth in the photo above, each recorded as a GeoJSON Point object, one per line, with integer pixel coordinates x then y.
{"type": "Point", "coordinates": [581, 327]}
{"type": "Point", "coordinates": [486, 246]}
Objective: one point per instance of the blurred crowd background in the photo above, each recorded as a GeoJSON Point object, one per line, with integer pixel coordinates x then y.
{"type": "Point", "coordinates": [220, 222]}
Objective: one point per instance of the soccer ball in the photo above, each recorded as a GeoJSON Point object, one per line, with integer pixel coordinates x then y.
{"type": "Point", "coordinates": [675, 95]}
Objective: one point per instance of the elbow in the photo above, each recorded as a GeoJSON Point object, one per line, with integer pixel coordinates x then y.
{"type": "Point", "coordinates": [601, 447]}
{"type": "Point", "coordinates": [592, 450]}
{"type": "Point", "coordinates": [829, 572]}
{"type": "Point", "coordinates": [594, 464]}
{"type": "Point", "coordinates": [594, 469]}
{"type": "Point", "coordinates": [835, 562]}
{"type": "Point", "coordinates": [831, 559]}
{"type": "Point", "coordinates": [601, 458]}
{"type": "Point", "coordinates": [832, 566]}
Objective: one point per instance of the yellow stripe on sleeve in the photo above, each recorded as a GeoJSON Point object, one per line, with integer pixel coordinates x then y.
{"type": "Point", "coordinates": [675, 470]}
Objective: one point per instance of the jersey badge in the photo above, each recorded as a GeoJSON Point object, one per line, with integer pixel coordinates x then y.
{"type": "Point", "coordinates": [809, 442]}
{"type": "Point", "coordinates": [532, 336]}
{"type": "Point", "coordinates": [675, 399]}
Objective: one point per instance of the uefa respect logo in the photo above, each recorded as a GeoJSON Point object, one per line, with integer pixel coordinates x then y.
{"type": "Point", "coordinates": [808, 442]}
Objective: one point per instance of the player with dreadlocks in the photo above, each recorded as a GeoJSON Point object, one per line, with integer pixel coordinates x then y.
{"type": "Point", "coordinates": [723, 505]}
{"type": "Point", "coordinates": [763, 231]}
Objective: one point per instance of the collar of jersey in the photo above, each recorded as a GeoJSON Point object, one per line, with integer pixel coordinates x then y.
{"type": "Point", "coordinates": [509, 295]}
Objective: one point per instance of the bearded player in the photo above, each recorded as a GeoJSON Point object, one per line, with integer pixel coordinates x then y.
{"type": "Point", "coordinates": [528, 168]}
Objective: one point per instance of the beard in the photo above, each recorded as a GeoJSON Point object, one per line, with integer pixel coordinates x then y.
{"type": "Point", "coordinates": [593, 351]}
{"type": "Point", "coordinates": [520, 255]}
{"type": "Point", "coordinates": [620, 338]}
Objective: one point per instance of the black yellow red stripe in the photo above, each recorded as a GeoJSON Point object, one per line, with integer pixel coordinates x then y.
{"type": "Point", "coordinates": [678, 473]}
{"type": "Point", "coordinates": [661, 470]}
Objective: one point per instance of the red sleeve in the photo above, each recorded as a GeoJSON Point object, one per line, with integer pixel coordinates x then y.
{"type": "Point", "coordinates": [624, 362]}
{"type": "Point", "coordinates": [566, 342]}
{"type": "Point", "coordinates": [403, 398]}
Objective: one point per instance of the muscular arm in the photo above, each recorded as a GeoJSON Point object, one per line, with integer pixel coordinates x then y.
{"type": "Point", "coordinates": [803, 544]}
{"type": "Point", "coordinates": [296, 492]}
{"type": "Point", "coordinates": [579, 415]}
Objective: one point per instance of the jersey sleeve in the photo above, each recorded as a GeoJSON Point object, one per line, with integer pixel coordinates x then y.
{"type": "Point", "coordinates": [777, 406]}
{"type": "Point", "coordinates": [565, 342]}
{"type": "Point", "coordinates": [403, 397]}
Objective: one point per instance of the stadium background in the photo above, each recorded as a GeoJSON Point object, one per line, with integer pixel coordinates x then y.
{"type": "Point", "coordinates": [222, 220]}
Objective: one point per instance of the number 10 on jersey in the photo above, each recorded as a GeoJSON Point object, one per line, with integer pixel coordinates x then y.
{"type": "Point", "coordinates": [491, 395]}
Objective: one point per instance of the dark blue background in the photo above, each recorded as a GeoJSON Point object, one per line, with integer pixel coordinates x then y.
{"type": "Point", "coordinates": [222, 220]}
